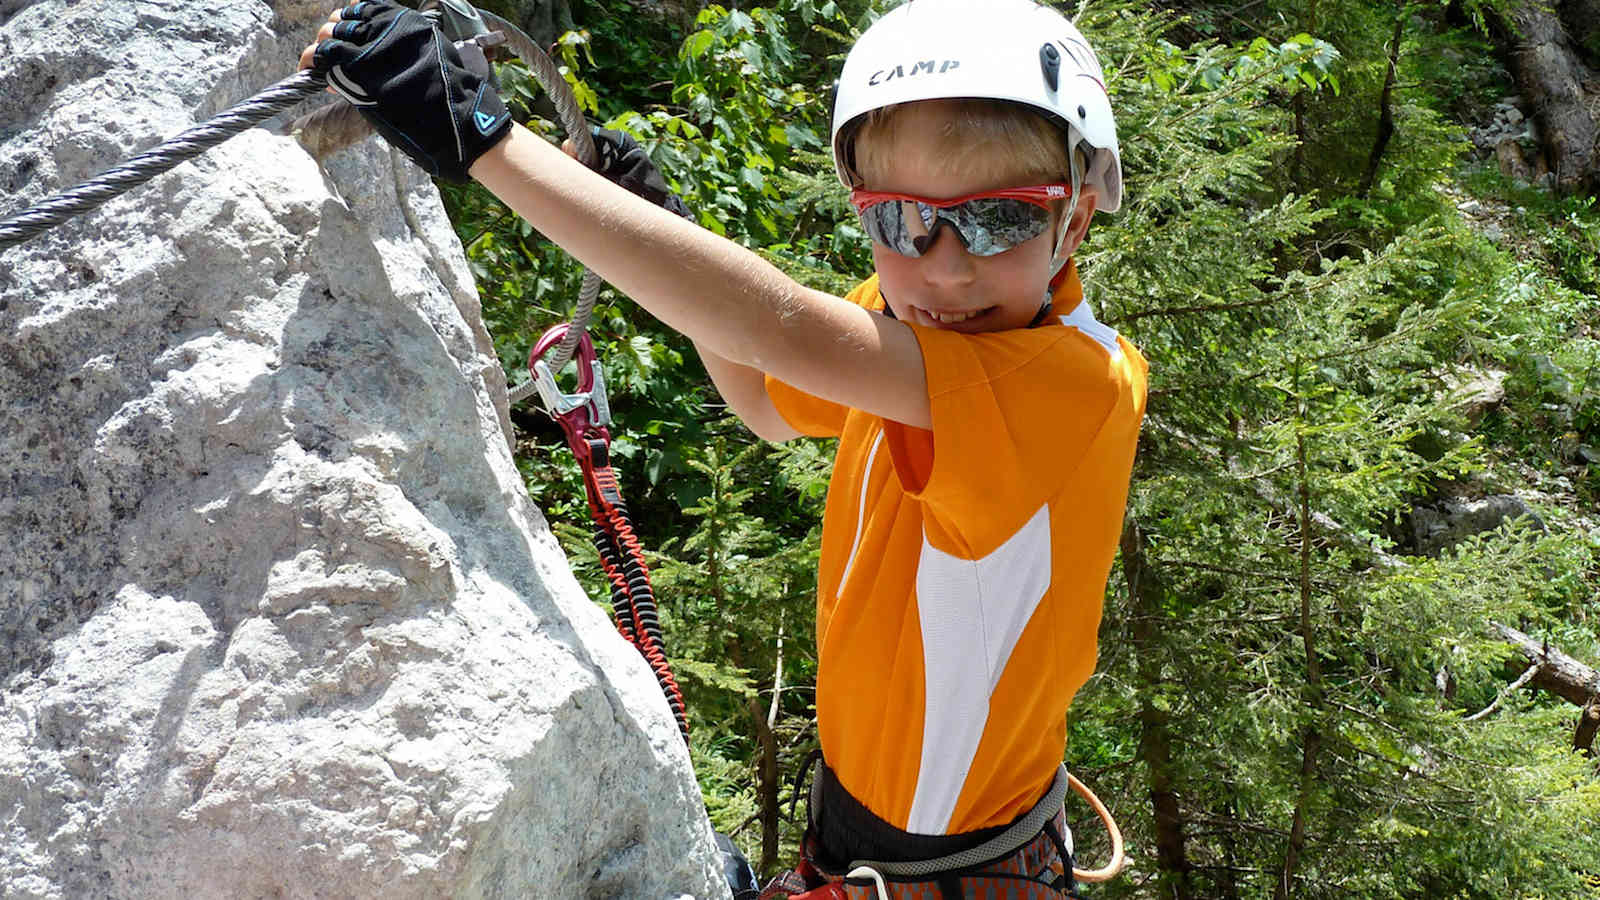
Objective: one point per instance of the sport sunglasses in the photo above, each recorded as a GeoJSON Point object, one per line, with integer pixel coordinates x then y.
{"type": "Point", "coordinates": [988, 223]}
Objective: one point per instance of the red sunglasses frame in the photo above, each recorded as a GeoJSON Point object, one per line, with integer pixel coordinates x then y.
{"type": "Point", "coordinates": [1038, 195]}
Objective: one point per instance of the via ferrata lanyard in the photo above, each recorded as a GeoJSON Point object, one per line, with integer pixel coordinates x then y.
{"type": "Point", "coordinates": [584, 416]}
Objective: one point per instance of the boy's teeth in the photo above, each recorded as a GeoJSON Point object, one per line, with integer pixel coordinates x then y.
{"type": "Point", "coordinates": [950, 318]}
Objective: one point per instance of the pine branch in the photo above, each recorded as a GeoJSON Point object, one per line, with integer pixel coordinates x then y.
{"type": "Point", "coordinates": [1192, 310]}
{"type": "Point", "coordinates": [1510, 689]}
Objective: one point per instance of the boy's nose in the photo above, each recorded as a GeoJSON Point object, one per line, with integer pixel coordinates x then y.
{"type": "Point", "coordinates": [945, 259]}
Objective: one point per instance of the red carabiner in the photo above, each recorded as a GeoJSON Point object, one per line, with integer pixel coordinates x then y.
{"type": "Point", "coordinates": [585, 414]}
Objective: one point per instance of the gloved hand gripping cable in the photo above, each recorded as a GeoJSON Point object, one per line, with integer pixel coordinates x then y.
{"type": "Point", "coordinates": [323, 132]}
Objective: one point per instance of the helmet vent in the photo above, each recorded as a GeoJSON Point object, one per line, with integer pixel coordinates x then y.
{"type": "Point", "coordinates": [1082, 113]}
{"type": "Point", "coordinates": [1050, 65]}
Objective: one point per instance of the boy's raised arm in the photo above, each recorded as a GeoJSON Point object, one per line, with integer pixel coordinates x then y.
{"type": "Point", "coordinates": [726, 299]}
{"type": "Point", "coordinates": [412, 84]}
{"type": "Point", "coordinates": [745, 389]}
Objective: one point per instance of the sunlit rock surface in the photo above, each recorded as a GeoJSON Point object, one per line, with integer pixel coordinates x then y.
{"type": "Point", "coordinates": [277, 617]}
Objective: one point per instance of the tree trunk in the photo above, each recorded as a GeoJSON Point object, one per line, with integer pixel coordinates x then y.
{"type": "Point", "coordinates": [1588, 724]}
{"type": "Point", "coordinates": [1565, 677]}
{"type": "Point", "coordinates": [766, 785]}
{"type": "Point", "coordinates": [1155, 737]}
{"type": "Point", "coordinates": [1385, 108]}
{"type": "Point", "coordinates": [1552, 73]}
{"type": "Point", "coordinates": [1311, 746]}
{"type": "Point", "coordinates": [543, 20]}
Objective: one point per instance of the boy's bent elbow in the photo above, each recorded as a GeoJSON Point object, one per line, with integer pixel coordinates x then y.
{"type": "Point", "coordinates": [773, 429]}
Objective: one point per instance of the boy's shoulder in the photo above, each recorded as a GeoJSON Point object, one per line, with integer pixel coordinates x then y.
{"type": "Point", "coordinates": [866, 294]}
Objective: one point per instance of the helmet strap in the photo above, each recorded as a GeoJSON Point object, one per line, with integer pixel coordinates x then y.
{"type": "Point", "coordinates": [1058, 261]}
{"type": "Point", "coordinates": [1044, 311]}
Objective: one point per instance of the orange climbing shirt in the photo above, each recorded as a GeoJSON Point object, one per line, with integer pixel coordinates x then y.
{"type": "Point", "coordinates": [964, 567]}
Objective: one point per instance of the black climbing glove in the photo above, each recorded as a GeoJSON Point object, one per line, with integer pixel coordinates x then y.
{"type": "Point", "coordinates": [410, 82]}
{"type": "Point", "coordinates": [623, 161]}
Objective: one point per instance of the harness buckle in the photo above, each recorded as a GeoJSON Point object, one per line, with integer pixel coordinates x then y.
{"type": "Point", "coordinates": [584, 412]}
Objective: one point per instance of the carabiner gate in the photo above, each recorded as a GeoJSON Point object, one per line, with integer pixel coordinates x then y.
{"type": "Point", "coordinates": [587, 409]}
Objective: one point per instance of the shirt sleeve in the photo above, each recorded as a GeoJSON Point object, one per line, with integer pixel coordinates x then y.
{"type": "Point", "coordinates": [807, 413]}
{"type": "Point", "coordinates": [1015, 415]}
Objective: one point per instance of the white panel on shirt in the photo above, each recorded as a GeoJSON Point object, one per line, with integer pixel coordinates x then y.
{"type": "Point", "coordinates": [861, 510]}
{"type": "Point", "coordinates": [972, 612]}
{"type": "Point", "coordinates": [1082, 318]}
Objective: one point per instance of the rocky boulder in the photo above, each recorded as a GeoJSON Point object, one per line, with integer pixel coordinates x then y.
{"type": "Point", "coordinates": [277, 617]}
{"type": "Point", "coordinates": [1439, 526]}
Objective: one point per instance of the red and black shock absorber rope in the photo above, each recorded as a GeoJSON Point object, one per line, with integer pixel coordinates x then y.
{"type": "Point", "coordinates": [632, 598]}
{"type": "Point", "coordinates": [584, 416]}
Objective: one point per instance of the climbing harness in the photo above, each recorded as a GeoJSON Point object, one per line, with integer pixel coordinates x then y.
{"type": "Point", "coordinates": [583, 416]}
{"type": "Point", "coordinates": [1012, 861]}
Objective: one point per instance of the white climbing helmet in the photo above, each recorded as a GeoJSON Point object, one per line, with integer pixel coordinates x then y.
{"type": "Point", "coordinates": [1012, 50]}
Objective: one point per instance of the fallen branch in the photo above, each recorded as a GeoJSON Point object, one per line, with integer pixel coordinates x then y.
{"type": "Point", "coordinates": [1510, 689]}
{"type": "Point", "coordinates": [1558, 673]}
{"type": "Point", "coordinates": [1567, 678]}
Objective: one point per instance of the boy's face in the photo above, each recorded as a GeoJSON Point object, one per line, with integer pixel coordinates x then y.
{"type": "Point", "coordinates": [947, 287]}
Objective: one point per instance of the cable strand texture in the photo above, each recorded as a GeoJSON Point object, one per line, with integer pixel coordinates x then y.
{"type": "Point", "coordinates": [137, 170]}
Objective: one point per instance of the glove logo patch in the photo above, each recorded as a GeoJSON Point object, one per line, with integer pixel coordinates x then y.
{"type": "Point", "coordinates": [484, 121]}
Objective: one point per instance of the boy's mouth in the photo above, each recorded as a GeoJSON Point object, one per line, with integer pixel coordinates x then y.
{"type": "Point", "coordinates": [951, 318]}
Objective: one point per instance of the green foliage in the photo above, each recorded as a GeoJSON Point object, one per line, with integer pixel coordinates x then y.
{"type": "Point", "coordinates": [1305, 341]}
{"type": "Point", "coordinates": [1299, 343]}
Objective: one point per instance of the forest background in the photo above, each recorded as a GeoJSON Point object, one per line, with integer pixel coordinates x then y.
{"type": "Point", "coordinates": [1361, 327]}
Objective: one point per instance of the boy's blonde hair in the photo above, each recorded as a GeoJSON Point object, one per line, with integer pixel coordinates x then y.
{"type": "Point", "coordinates": [984, 137]}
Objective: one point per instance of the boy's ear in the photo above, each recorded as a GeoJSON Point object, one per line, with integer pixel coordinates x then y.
{"type": "Point", "coordinates": [1078, 227]}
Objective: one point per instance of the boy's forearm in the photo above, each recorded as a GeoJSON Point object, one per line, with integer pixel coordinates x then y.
{"type": "Point", "coordinates": [745, 391]}
{"type": "Point", "coordinates": [704, 288]}
{"type": "Point", "coordinates": [729, 301]}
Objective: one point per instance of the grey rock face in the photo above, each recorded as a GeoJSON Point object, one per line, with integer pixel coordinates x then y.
{"type": "Point", "coordinates": [277, 617]}
{"type": "Point", "coordinates": [1475, 393]}
{"type": "Point", "coordinates": [1439, 527]}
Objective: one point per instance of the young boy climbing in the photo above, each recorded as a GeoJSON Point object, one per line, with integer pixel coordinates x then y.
{"type": "Point", "coordinates": [986, 420]}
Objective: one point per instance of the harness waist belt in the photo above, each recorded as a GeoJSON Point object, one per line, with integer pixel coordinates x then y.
{"type": "Point", "coordinates": [846, 829]}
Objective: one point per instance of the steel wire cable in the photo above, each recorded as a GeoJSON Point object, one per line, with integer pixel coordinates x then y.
{"type": "Point", "coordinates": [323, 132]}
{"type": "Point", "coordinates": [548, 74]}
{"type": "Point", "coordinates": [139, 169]}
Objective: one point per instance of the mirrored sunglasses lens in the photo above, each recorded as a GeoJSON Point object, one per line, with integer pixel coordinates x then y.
{"type": "Point", "coordinates": [886, 224]}
{"type": "Point", "coordinates": [987, 226]}
{"type": "Point", "coordinates": [994, 225]}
